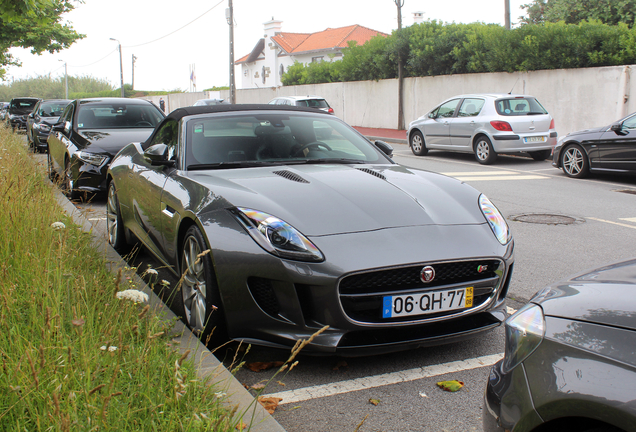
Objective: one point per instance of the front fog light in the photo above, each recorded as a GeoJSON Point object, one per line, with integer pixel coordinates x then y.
{"type": "Point", "coordinates": [524, 332]}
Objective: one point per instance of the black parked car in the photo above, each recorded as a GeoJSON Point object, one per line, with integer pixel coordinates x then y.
{"type": "Point", "coordinates": [608, 149]}
{"type": "Point", "coordinates": [304, 233]}
{"type": "Point", "coordinates": [18, 110]}
{"type": "Point", "coordinates": [89, 133]}
{"type": "Point", "coordinates": [38, 124]}
{"type": "Point", "coordinates": [570, 358]}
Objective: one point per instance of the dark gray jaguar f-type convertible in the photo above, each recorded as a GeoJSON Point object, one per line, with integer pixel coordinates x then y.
{"type": "Point", "coordinates": [308, 224]}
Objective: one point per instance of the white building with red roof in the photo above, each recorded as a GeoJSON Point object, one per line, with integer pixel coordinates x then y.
{"type": "Point", "coordinates": [278, 50]}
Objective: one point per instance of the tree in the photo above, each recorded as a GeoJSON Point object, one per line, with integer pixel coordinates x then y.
{"type": "Point", "coordinates": [610, 12]}
{"type": "Point", "coordinates": [35, 24]}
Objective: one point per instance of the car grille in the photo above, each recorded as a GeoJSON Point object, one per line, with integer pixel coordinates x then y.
{"type": "Point", "coordinates": [361, 295]}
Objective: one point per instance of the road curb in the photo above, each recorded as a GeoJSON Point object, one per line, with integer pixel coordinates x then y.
{"type": "Point", "coordinates": [207, 365]}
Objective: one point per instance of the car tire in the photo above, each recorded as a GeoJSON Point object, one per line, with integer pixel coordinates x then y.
{"type": "Point", "coordinates": [202, 307]}
{"type": "Point", "coordinates": [114, 223]}
{"type": "Point", "coordinates": [540, 155]}
{"type": "Point", "coordinates": [484, 152]}
{"type": "Point", "coordinates": [417, 144]}
{"type": "Point", "coordinates": [574, 161]}
{"type": "Point", "coordinates": [49, 167]}
{"type": "Point", "coordinates": [68, 183]}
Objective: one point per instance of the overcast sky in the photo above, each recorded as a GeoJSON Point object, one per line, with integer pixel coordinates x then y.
{"type": "Point", "coordinates": [168, 36]}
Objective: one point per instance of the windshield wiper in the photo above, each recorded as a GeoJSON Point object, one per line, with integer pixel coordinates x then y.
{"type": "Point", "coordinates": [327, 161]}
{"type": "Point", "coordinates": [224, 165]}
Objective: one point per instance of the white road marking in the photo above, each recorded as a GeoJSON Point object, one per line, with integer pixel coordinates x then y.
{"type": "Point", "coordinates": [365, 383]}
{"type": "Point", "coordinates": [493, 175]}
{"type": "Point", "coordinates": [510, 310]}
{"type": "Point", "coordinates": [629, 219]}
{"type": "Point", "coordinates": [612, 222]}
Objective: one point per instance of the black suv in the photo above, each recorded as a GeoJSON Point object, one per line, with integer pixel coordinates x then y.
{"type": "Point", "coordinates": [19, 108]}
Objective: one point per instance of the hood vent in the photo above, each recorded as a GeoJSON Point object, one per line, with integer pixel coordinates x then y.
{"type": "Point", "coordinates": [291, 176]}
{"type": "Point", "coordinates": [372, 172]}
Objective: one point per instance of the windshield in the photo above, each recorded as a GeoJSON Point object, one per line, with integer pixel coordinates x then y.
{"type": "Point", "coordinates": [313, 103]}
{"type": "Point", "coordinates": [23, 104]}
{"type": "Point", "coordinates": [52, 108]}
{"type": "Point", "coordinates": [274, 139]}
{"type": "Point", "coordinates": [519, 106]}
{"type": "Point", "coordinates": [116, 116]}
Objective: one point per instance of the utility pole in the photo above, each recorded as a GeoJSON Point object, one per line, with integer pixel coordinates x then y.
{"type": "Point", "coordinates": [229, 15]}
{"type": "Point", "coordinates": [121, 67]}
{"type": "Point", "coordinates": [400, 125]}
{"type": "Point", "coordinates": [507, 14]}
{"type": "Point", "coordinates": [65, 79]}
{"type": "Point", "coordinates": [134, 58]}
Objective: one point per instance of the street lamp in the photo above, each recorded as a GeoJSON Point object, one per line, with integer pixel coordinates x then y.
{"type": "Point", "coordinates": [65, 79]}
{"type": "Point", "coordinates": [121, 67]}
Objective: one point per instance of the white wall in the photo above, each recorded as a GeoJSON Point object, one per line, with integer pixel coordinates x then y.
{"type": "Point", "coordinates": [576, 98]}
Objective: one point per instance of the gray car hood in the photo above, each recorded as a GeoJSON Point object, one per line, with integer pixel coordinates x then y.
{"type": "Point", "coordinates": [606, 296]}
{"type": "Point", "coordinates": [323, 200]}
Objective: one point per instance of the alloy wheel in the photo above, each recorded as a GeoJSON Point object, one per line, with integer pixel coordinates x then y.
{"type": "Point", "coordinates": [194, 287]}
{"type": "Point", "coordinates": [573, 161]}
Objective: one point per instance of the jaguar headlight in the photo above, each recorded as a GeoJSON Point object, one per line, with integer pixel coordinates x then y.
{"type": "Point", "coordinates": [277, 236]}
{"type": "Point", "coordinates": [524, 332]}
{"type": "Point", "coordinates": [495, 220]}
{"type": "Point", "coordinates": [91, 158]}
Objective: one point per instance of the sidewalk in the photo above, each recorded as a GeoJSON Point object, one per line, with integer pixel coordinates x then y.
{"type": "Point", "coordinates": [388, 135]}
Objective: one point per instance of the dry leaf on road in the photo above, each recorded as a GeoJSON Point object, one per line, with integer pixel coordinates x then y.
{"type": "Point", "coordinates": [261, 366]}
{"type": "Point", "coordinates": [269, 403]}
{"type": "Point", "coordinates": [451, 386]}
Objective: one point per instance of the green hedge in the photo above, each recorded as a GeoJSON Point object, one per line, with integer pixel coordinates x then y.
{"type": "Point", "coordinates": [437, 48]}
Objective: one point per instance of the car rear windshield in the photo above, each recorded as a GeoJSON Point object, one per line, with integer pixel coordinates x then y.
{"type": "Point", "coordinates": [519, 106]}
{"type": "Point", "coordinates": [111, 116]}
{"type": "Point", "coordinates": [313, 103]}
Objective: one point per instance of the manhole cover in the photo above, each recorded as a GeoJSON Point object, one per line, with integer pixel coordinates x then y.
{"type": "Point", "coordinates": [627, 191]}
{"type": "Point", "coordinates": [546, 219]}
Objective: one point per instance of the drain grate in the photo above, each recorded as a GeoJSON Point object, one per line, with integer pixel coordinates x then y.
{"type": "Point", "coordinates": [546, 219]}
{"type": "Point", "coordinates": [627, 191]}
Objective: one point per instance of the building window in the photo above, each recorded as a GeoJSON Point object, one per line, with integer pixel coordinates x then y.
{"type": "Point", "coordinates": [281, 71]}
{"type": "Point", "coordinates": [263, 74]}
{"type": "Point", "coordinates": [316, 59]}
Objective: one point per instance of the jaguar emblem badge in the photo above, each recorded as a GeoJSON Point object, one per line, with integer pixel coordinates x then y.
{"type": "Point", "coordinates": [427, 274]}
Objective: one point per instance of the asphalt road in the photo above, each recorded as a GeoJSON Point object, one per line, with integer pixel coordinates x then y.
{"type": "Point", "coordinates": [591, 222]}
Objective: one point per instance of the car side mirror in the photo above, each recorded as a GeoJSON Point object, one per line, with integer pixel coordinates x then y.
{"type": "Point", "coordinates": [57, 127]}
{"type": "Point", "coordinates": [618, 128]}
{"type": "Point", "coordinates": [432, 115]}
{"type": "Point", "coordinates": [157, 155]}
{"type": "Point", "coordinates": [384, 148]}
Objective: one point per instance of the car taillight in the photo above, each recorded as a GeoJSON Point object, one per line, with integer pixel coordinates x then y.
{"type": "Point", "coordinates": [501, 125]}
{"type": "Point", "coordinates": [330, 111]}
{"type": "Point", "coordinates": [552, 124]}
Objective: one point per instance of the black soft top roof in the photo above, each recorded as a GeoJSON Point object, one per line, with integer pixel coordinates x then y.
{"type": "Point", "coordinates": [179, 113]}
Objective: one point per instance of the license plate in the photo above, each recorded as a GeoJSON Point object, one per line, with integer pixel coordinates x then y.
{"type": "Point", "coordinates": [534, 139]}
{"type": "Point", "coordinates": [426, 303]}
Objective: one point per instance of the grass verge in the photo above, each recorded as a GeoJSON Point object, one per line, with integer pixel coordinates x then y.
{"type": "Point", "coordinates": [74, 355]}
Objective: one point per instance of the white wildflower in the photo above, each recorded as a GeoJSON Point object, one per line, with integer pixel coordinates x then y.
{"type": "Point", "coordinates": [220, 395]}
{"type": "Point", "coordinates": [110, 348]}
{"type": "Point", "coordinates": [152, 271]}
{"type": "Point", "coordinates": [165, 282]}
{"type": "Point", "coordinates": [133, 295]}
{"type": "Point", "coordinates": [58, 225]}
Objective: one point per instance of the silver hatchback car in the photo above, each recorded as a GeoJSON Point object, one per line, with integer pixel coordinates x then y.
{"type": "Point", "coordinates": [485, 124]}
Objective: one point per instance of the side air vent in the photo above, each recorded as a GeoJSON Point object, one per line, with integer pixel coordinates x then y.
{"type": "Point", "coordinates": [374, 173]}
{"type": "Point", "coordinates": [291, 176]}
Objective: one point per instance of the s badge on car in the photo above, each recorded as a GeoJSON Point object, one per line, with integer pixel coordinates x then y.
{"type": "Point", "coordinates": [427, 274]}
{"type": "Point", "coordinates": [482, 268]}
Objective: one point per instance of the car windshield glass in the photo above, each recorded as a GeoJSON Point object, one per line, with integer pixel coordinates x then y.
{"type": "Point", "coordinates": [519, 106]}
{"type": "Point", "coordinates": [23, 103]}
{"type": "Point", "coordinates": [51, 109]}
{"type": "Point", "coordinates": [117, 116]}
{"type": "Point", "coordinates": [274, 139]}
